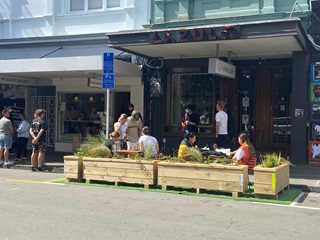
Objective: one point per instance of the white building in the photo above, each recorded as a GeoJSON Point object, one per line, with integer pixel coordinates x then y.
{"type": "Point", "coordinates": [50, 49]}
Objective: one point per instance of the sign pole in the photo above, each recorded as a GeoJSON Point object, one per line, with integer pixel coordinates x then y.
{"type": "Point", "coordinates": [107, 113]}
{"type": "Point", "coordinates": [108, 82]}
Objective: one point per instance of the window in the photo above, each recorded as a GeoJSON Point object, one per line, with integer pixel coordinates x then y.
{"type": "Point", "coordinates": [92, 5]}
{"type": "Point", "coordinates": [196, 90]}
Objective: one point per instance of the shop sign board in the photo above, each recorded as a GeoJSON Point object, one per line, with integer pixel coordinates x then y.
{"type": "Point", "coordinates": [221, 68]}
{"type": "Point", "coordinates": [5, 79]}
{"type": "Point", "coordinates": [94, 82]}
{"type": "Point", "coordinates": [108, 71]}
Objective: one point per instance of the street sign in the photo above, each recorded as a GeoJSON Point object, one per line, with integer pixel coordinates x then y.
{"type": "Point", "coordinates": [108, 61]}
{"type": "Point", "coordinates": [108, 71]}
{"type": "Point", "coordinates": [108, 81]}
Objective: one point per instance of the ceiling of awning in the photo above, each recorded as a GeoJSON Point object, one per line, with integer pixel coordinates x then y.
{"type": "Point", "coordinates": [280, 47]}
{"type": "Point", "coordinates": [261, 39]}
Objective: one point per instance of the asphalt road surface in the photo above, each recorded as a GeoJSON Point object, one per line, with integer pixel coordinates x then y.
{"type": "Point", "coordinates": [31, 207]}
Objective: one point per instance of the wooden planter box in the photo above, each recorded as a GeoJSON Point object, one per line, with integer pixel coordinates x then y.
{"type": "Point", "coordinates": [204, 176]}
{"type": "Point", "coordinates": [270, 181]}
{"type": "Point", "coordinates": [73, 168]}
{"type": "Point", "coordinates": [121, 170]}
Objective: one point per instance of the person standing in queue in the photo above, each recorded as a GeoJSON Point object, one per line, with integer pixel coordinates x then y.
{"type": "Point", "coordinates": [6, 133]}
{"type": "Point", "coordinates": [23, 138]}
{"type": "Point", "coordinates": [38, 134]}
{"type": "Point", "coordinates": [221, 125]}
{"type": "Point", "coordinates": [190, 121]}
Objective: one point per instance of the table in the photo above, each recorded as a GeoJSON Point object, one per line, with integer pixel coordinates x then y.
{"type": "Point", "coordinates": [127, 153]}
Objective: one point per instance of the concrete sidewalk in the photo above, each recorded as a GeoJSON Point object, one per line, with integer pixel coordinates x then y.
{"type": "Point", "coordinates": [306, 177]}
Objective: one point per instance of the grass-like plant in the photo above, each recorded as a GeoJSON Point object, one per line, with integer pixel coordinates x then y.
{"type": "Point", "coordinates": [194, 155]}
{"type": "Point", "coordinates": [272, 160]}
{"type": "Point", "coordinates": [147, 153]}
{"type": "Point", "coordinates": [93, 147]}
{"type": "Point", "coordinates": [173, 159]}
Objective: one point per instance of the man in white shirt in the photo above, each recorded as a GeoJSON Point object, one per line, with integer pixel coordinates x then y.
{"type": "Point", "coordinates": [221, 125]}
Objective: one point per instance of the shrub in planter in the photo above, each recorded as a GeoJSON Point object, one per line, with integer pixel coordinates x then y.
{"type": "Point", "coordinates": [202, 173]}
{"type": "Point", "coordinates": [271, 176]}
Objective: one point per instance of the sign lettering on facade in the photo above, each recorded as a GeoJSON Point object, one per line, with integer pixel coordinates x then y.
{"type": "Point", "coordinates": [194, 35]}
{"type": "Point", "coordinates": [17, 80]}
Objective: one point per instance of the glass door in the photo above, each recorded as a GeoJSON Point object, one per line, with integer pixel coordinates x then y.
{"type": "Point", "coordinates": [281, 105]}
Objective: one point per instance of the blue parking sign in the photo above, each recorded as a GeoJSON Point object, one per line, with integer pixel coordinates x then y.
{"type": "Point", "coordinates": [108, 80]}
{"type": "Point", "coordinates": [108, 62]}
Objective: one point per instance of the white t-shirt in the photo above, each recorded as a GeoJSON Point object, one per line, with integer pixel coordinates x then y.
{"type": "Point", "coordinates": [222, 118]}
{"type": "Point", "coordinates": [149, 142]}
{"type": "Point", "coordinates": [239, 154]}
{"type": "Point", "coordinates": [123, 129]}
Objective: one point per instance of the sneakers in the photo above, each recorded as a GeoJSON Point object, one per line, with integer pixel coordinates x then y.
{"type": "Point", "coordinates": [8, 163]}
{"type": "Point", "coordinates": [24, 159]}
{"type": "Point", "coordinates": [1, 162]}
{"type": "Point", "coordinates": [40, 169]}
{"type": "Point", "coordinates": [17, 160]}
{"type": "Point", "coordinates": [33, 169]}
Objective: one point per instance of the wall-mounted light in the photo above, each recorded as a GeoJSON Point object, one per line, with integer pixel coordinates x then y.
{"type": "Point", "coordinates": [91, 99]}
{"type": "Point", "coordinates": [76, 99]}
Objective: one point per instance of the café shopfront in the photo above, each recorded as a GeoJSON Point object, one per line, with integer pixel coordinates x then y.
{"type": "Point", "coordinates": [267, 89]}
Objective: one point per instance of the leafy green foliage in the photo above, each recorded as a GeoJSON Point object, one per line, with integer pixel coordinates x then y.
{"type": "Point", "coordinates": [194, 155]}
{"type": "Point", "coordinates": [93, 147]}
{"type": "Point", "coordinates": [272, 160]}
{"type": "Point", "coordinates": [221, 160]}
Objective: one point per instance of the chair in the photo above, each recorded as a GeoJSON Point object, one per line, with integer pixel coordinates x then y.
{"type": "Point", "coordinates": [252, 162]}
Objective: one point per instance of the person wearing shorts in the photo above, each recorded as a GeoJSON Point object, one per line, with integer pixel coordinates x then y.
{"type": "Point", "coordinates": [6, 133]}
{"type": "Point", "coordinates": [37, 132]}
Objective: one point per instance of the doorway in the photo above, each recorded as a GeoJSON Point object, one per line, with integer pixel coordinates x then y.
{"type": "Point", "coordinates": [264, 103]}
{"type": "Point", "coordinates": [121, 102]}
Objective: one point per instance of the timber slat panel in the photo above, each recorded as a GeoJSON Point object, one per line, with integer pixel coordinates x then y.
{"type": "Point", "coordinates": [270, 181]}
{"type": "Point", "coordinates": [133, 173]}
{"type": "Point", "coordinates": [102, 164]}
{"type": "Point", "coordinates": [73, 169]}
{"type": "Point", "coordinates": [119, 170]}
{"type": "Point", "coordinates": [202, 184]}
{"type": "Point", "coordinates": [203, 176]}
{"type": "Point", "coordinates": [200, 173]}
{"type": "Point", "coordinates": [119, 179]}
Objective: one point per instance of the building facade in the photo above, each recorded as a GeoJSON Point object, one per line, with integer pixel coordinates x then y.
{"type": "Point", "coordinates": [51, 57]}
{"type": "Point", "coordinates": [254, 55]}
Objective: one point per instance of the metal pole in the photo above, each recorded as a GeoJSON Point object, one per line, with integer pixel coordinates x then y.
{"type": "Point", "coordinates": [218, 51]}
{"type": "Point", "coordinates": [107, 113]}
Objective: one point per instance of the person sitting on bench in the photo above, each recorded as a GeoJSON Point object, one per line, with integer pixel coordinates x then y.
{"type": "Point", "coordinates": [242, 155]}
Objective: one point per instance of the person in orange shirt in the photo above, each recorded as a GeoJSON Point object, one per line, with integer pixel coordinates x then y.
{"type": "Point", "coordinates": [242, 155]}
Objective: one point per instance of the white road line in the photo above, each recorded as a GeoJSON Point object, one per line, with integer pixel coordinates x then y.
{"type": "Point", "coordinates": [292, 206]}
{"type": "Point", "coordinates": [54, 183]}
{"type": "Point", "coordinates": [296, 201]}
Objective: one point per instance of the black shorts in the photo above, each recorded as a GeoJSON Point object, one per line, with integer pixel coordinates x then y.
{"type": "Point", "coordinates": [222, 141]}
{"type": "Point", "coordinates": [39, 147]}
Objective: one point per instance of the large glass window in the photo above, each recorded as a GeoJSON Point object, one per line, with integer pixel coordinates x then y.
{"type": "Point", "coordinates": [79, 113]}
{"type": "Point", "coordinates": [92, 5]}
{"type": "Point", "coordinates": [196, 90]}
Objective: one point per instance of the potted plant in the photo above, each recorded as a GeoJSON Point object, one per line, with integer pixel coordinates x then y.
{"type": "Point", "coordinates": [203, 173]}
{"type": "Point", "coordinates": [271, 176]}
{"type": "Point", "coordinates": [99, 164]}
{"type": "Point", "coordinates": [73, 164]}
